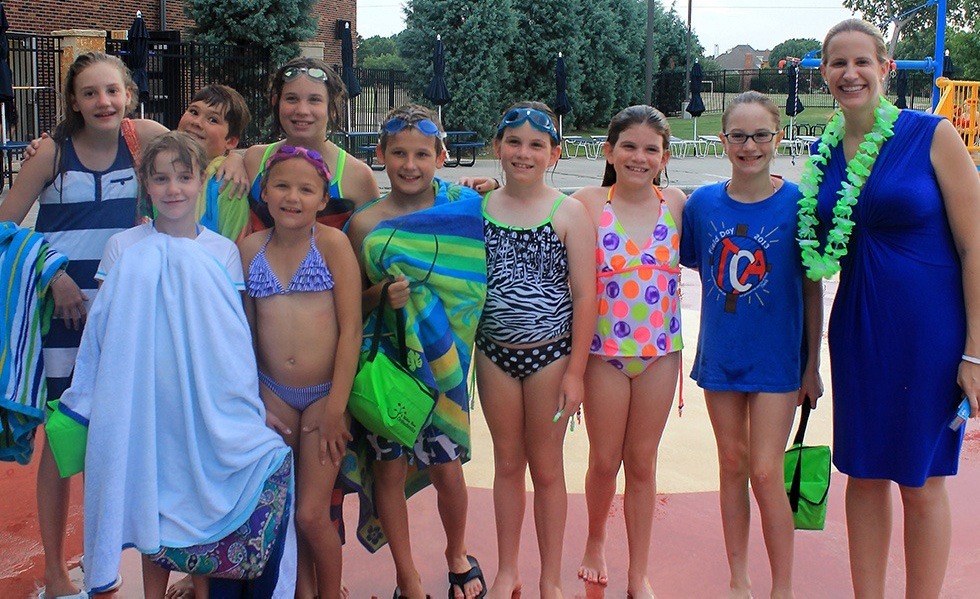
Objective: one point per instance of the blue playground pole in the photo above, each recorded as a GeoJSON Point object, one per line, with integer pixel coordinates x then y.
{"type": "Point", "coordinates": [932, 65]}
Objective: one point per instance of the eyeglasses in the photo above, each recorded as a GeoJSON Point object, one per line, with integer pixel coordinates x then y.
{"type": "Point", "coordinates": [539, 120]}
{"type": "Point", "coordinates": [759, 137]}
{"type": "Point", "coordinates": [313, 72]}
{"type": "Point", "coordinates": [312, 157]}
{"type": "Point", "coordinates": [424, 126]}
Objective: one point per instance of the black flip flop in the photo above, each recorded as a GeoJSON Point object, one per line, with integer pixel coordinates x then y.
{"type": "Point", "coordinates": [460, 580]}
{"type": "Point", "coordinates": [398, 594]}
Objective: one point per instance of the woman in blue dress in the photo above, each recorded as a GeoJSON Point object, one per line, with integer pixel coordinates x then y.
{"type": "Point", "coordinates": [905, 327]}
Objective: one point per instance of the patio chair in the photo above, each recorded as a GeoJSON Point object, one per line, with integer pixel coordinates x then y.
{"type": "Point", "coordinates": [574, 143]}
{"type": "Point", "coordinates": [682, 148]}
{"type": "Point", "coordinates": [594, 147]}
{"type": "Point", "coordinates": [713, 144]}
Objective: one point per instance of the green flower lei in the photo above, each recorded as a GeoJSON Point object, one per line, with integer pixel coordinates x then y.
{"type": "Point", "coordinates": [823, 265]}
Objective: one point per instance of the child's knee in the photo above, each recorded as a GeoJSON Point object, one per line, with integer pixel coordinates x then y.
{"type": "Point", "coordinates": [448, 477]}
{"type": "Point", "coordinates": [733, 462]}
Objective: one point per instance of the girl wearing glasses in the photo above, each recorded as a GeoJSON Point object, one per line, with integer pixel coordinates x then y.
{"type": "Point", "coordinates": [307, 99]}
{"type": "Point", "coordinates": [632, 372]}
{"type": "Point", "coordinates": [756, 313]}
{"type": "Point", "coordinates": [533, 338]}
{"type": "Point", "coordinates": [303, 304]}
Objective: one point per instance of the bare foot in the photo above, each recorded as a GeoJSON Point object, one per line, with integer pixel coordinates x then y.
{"type": "Point", "coordinates": [640, 590]}
{"type": "Point", "coordinates": [182, 589]}
{"type": "Point", "coordinates": [411, 588]}
{"type": "Point", "coordinates": [551, 591]}
{"type": "Point", "coordinates": [739, 592]}
{"type": "Point", "coordinates": [505, 586]}
{"type": "Point", "coordinates": [593, 569]}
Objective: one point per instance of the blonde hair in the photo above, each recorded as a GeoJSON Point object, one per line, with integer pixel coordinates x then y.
{"type": "Point", "coordinates": [860, 26]}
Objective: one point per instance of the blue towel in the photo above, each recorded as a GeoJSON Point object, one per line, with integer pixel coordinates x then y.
{"type": "Point", "coordinates": [167, 383]}
{"type": "Point", "coordinates": [27, 265]}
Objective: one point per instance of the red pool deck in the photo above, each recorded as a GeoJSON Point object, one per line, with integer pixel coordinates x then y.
{"type": "Point", "coordinates": [687, 560]}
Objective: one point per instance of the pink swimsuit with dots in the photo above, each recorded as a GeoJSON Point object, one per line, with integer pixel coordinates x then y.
{"type": "Point", "coordinates": [638, 291]}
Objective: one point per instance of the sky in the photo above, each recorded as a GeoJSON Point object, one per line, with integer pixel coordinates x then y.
{"type": "Point", "coordinates": [726, 23]}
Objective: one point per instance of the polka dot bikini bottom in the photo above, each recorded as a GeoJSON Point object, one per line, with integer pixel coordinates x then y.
{"type": "Point", "coordinates": [522, 363]}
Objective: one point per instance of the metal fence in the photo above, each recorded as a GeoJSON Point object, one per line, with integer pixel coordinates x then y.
{"type": "Point", "coordinates": [178, 69]}
{"type": "Point", "coordinates": [381, 91]}
{"type": "Point", "coordinates": [35, 63]}
{"type": "Point", "coordinates": [720, 87]}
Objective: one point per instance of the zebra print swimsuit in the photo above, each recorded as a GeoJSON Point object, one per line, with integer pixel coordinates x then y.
{"type": "Point", "coordinates": [529, 300]}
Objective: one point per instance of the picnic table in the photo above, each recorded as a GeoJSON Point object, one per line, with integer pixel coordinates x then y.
{"type": "Point", "coordinates": [7, 153]}
{"type": "Point", "coordinates": [362, 144]}
{"type": "Point", "coordinates": [459, 143]}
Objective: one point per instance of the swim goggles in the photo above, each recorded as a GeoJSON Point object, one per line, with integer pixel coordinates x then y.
{"type": "Point", "coordinates": [539, 120]}
{"type": "Point", "coordinates": [425, 127]}
{"type": "Point", "coordinates": [285, 152]}
{"type": "Point", "coordinates": [313, 72]}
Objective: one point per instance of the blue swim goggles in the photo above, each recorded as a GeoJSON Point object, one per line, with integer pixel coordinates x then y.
{"type": "Point", "coordinates": [424, 126]}
{"type": "Point", "coordinates": [539, 120]}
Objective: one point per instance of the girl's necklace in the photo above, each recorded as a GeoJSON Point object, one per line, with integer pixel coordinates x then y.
{"type": "Point", "coordinates": [825, 264]}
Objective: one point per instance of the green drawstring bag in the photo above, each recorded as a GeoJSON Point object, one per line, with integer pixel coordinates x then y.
{"type": "Point", "coordinates": [386, 397]}
{"type": "Point", "coordinates": [68, 440]}
{"type": "Point", "coordinates": [807, 475]}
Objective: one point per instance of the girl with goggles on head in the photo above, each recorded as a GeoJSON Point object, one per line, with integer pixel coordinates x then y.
{"type": "Point", "coordinates": [307, 99]}
{"type": "Point", "coordinates": [533, 338]}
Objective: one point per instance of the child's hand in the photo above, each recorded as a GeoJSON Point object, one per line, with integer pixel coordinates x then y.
{"type": "Point", "coordinates": [31, 149]}
{"type": "Point", "coordinates": [273, 422]}
{"type": "Point", "coordinates": [232, 173]}
{"type": "Point", "coordinates": [810, 386]}
{"type": "Point", "coordinates": [398, 293]}
{"type": "Point", "coordinates": [334, 435]}
{"type": "Point", "coordinates": [571, 392]}
{"type": "Point", "coordinates": [480, 184]}
{"type": "Point", "coordinates": [69, 302]}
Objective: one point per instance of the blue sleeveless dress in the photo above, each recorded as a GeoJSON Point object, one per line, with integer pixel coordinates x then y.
{"type": "Point", "coordinates": [898, 325]}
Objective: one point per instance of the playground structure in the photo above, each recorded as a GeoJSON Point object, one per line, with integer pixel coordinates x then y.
{"type": "Point", "coordinates": [958, 102]}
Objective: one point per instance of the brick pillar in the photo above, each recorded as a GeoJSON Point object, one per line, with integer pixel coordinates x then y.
{"type": "Point", "coordinates": [311, 49]}
{"type": "Point", "coordinates": [75, 42]}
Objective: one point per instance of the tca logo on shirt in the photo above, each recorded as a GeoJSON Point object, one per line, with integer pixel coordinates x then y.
{"type": "Point", "coordinates": [739, 265]}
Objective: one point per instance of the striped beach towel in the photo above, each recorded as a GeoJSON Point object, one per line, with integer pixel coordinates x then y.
{"type": "Point", "coordinates": [440, 320]}
{"type": "Point", "coordinates": [27, 265]}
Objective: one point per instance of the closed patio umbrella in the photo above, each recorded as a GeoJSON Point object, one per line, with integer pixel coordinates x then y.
{"type": "Point", "coordinates": [793, 104]}
{"type": "Point", "coordinates": [949, 71]}
{"type": "Point", "coordinates": [437, 92]}
{"type": "Point", "coordinates": [562, 105]}
{"type": "Point", "coordinates": [6, 79]}
{"type": "Point", "coordinates": [695, 107]}
{"type": "Point", "coordinates": [901, 89]}
{"type": "Point", "coordinates": [137, 57]}
{"type": "Point", "coordinates": [347, 72]}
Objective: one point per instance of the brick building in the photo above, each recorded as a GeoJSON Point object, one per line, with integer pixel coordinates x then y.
{"type": "Point", "coordinates": [45, 16]}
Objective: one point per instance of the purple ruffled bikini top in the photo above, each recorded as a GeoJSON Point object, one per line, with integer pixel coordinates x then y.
{"type": "Point", "coordinates": [312, 274]}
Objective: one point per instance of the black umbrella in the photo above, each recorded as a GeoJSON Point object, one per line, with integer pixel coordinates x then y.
{"type": "Point", "coordinates": [437, 92]}
{"type": "Point", "coordinates": [562, 105]}
{"type": "Point", "coordinates": [696, 105]}
{"type": "Point", "coordinates": [138, 56]}
{"type": "Point", "coordinates": [948, 69]}
{"type": "Point", "coordinates": [347, 72]}
{"type": "Point", "coordinates": [6, 79]}
{"type": "Point", "coordinates": [901, 89]}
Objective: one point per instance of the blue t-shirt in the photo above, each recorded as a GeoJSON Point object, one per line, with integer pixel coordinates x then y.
{"type": "Point", "coordinates": [751, 289]}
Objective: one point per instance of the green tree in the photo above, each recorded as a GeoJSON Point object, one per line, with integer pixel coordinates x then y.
{"type": "Point", "coordinates": [959, 15]}
{"type": "Point", "coordinates": [964, 49]}
{"type": "Point", "coordinates": [477, 36]}
{"type": "Point", "coordinates": [272, 24]}
{"type": "Point", "coordinates": [796, 47]}
{"type": "Point", "coordinates": [375, 46]}
{"type": "Point", "coordinates": [545, 28]}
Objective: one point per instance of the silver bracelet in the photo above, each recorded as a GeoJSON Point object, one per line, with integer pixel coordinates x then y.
{"type": "Point", "coordinates": [971, 359]}
{"type": "Point", "coordinates": [57, 276]}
